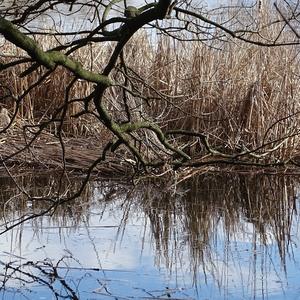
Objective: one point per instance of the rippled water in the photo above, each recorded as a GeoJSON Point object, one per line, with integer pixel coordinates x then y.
{"type": "Point", "coordinates": [214, 237]}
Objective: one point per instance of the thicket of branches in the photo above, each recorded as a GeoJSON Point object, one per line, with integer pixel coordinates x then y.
{"type": "Point", "coordinates": [165, 84]}
{"type": "Point", "coordinates": [130, 106]}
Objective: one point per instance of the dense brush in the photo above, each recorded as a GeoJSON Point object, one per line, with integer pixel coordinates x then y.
{"type": "Point", "coordinates": [240, 95]}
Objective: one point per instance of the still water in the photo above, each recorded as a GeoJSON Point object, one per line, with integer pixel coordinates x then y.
{"type": "Point", "coordinates": [213, 237]}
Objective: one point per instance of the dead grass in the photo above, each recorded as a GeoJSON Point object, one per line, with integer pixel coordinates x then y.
{"type": "Point", "coordinates": [241, 95]}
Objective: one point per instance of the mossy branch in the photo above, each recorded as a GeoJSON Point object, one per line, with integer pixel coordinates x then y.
{"type": "Point", "coordinates": [203, 138]}
{"type": "Point", "coordinates": [15, 36]}
{"type": "Point", "coordinates": [106, 119]}
{"type": "Point", "coordinates": [129, 127]}
{"type": "Point", "coordinates": [121, 131]}
{"type": "Point", "coordinates": [74, 66]}
{"type": "Point", "coordinates": [48, 59]}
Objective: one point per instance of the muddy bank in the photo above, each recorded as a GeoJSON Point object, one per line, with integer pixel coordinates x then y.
{"type": "Point", "coordinates": [47, 153]}
{"type": "Point", "coordinates": [77, 154]}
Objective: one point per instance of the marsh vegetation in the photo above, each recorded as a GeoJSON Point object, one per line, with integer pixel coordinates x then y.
{"type": "Point", "coordinates": [174, 95]}
{"type": "Point", "coordinates": [191, 111]}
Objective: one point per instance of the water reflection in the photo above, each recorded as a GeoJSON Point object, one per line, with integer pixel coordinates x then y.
{"type": "Point", "coordinates": [217, 236]}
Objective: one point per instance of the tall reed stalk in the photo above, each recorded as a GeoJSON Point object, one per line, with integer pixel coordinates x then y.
{"type": "Point", "coordinates": [241, 95]}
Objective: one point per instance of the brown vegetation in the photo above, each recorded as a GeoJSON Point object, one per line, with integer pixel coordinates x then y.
{"type": "Point", "coordinates": [242, 97]}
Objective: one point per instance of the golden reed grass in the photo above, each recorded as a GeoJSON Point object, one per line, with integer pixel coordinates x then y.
{"type": "Point", "coordinates": [242, 96]}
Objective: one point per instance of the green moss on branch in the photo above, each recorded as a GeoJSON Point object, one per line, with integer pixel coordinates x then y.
{"type": "Point", "coordinates": [48, 59]}
{"type": "Point", "coordinates": [77, 68]}
{"type": "Point", "coordinates": [129, 127]}
{"type": "Point", "coordinates": [12, 34]}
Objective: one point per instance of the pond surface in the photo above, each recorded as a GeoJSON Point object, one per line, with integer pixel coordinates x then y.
{"type": "Point", "coordinates": [212, 237]}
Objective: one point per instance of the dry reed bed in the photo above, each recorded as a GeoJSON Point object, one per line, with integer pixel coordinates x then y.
{"type": "Point", "coordinates": [46, 154]}
{"type": "Point", "coordinates": [242, 96]}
